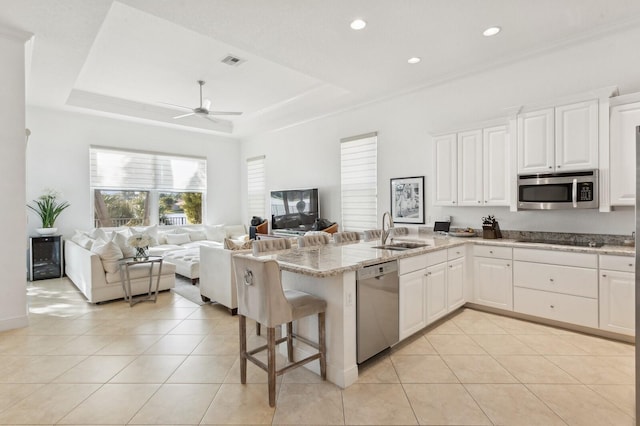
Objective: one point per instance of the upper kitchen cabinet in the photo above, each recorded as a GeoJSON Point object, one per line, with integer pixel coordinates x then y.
{"type": "Point", "coordinates": [558, 139]}
{"type": "Point", "coordinates": [622, 153]}
{"type": "Point", "coordinates": [446, 170]}
{"type": "Point", "coordinates": [470, 168]}
{"type": "Point", "coordinates": [496, 170]}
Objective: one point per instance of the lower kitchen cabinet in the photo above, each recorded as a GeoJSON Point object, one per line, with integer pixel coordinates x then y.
{"type": "Point", "coordinates": [455, 284]}
{"type": "Point", "coordinates": [412, 296]}
{"type": "Point", "coordinates": [617, 294]}
{"type": "Point", "coordinates": [436, 294]}
{"type": "Point", "coordinates": [492, 282]}
{"type": "Point", "coordinates": [556, 306]}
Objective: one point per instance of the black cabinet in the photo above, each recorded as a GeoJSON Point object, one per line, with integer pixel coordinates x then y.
{"type": "Point", "coordinates": [45, 257]}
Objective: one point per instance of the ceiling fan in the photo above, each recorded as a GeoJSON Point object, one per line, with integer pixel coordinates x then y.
{"type": "Point", "coordinates": [203, 110]}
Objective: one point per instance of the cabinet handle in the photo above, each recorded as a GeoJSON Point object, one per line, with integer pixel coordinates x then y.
{"type": "Point", "coordinates": [550, 167]}
{"type": "Point", "coordinates": [453, 202]}
{"type": "Point", "coordinates": [557, 167]}
{"type": "Point", "coordinates": [551, 306]}
{"type": "Point", "coordinates": [450, 266]}
{"type": "Point", "coordinates": [491, 251]}
{"type": "Point", "coordinates": [604, 275]}
{"type": "Point", "coordinates": [631, 264]}
{"type": "Point", "coordinates": [508, 265]}
{"type": "Point", "coordinates": [551, 279]}
{"type": "Point", "coordinates": [479, 201]}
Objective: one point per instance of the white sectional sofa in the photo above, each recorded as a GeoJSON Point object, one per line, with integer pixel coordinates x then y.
{"type": "Point", "coordinates": [217, 276]}
{"type": "Point", "coordinates": [90, 256]}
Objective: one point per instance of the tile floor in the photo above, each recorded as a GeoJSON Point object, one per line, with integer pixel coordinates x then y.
{"type": "Point", "coordinates": [176, 363]}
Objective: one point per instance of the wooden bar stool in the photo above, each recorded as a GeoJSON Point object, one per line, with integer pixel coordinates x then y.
{"type": "Point", "coordinates": [262, 299]}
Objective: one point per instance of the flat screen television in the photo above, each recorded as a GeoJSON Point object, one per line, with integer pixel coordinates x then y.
{"type": "Point", "coordinates": [295, 209]}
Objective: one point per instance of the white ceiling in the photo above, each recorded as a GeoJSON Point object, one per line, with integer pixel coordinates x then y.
{"type": "Point", "coordinates": [303, 61]}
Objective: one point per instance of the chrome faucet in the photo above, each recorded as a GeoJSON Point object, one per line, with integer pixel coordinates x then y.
{"type": "Point", "coordinates": [386, 232]}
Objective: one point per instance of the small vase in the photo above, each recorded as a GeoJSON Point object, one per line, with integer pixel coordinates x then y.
{"type": "Point", "coordinates": [46, 231]}
{"type": "Point", "coordinates": [142, 253]}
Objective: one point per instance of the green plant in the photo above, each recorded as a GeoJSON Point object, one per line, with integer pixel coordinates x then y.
{"type": "Point", "coordinates": [48, 208]}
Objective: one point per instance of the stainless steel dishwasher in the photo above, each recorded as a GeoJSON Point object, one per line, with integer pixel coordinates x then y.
{"type": "Point", "coordinates": [377, 302]}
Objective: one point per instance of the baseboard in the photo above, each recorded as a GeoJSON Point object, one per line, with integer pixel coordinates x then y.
{"type": "Point", "coordinates": [12, 323]}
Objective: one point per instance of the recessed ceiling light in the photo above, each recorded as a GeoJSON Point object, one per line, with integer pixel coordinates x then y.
{"type": "Point", "coordinates": [491, 31]}
{"type": "Point", "coordinates": [414, 60]}
{"type": "Point", "coordinates": [358, 24]}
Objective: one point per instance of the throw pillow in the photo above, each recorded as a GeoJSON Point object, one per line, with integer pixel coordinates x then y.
{"type": "Point", "coordinates": [152, 231]}
{"type": "Point", "coordinates": [229, 244]}
{"type": "Point", "coordinates": [121, 240]}
{"type": "Point", "coordinates": [178, 239]}
{"type": "Point", "coordinates": [162, 236]}
{"type": "Point", "coordinates": [235, 231]}
{"type": "Point", "coordinates": [83, 240]}
{"type": "Point", "coordinates": [109, 253]}
{"type": "Point", "coordinates": [195, 234]}
{"type": "Point", "coordinates": [215, 233]}
{"type": "Point", "coordinates": [99, 233]}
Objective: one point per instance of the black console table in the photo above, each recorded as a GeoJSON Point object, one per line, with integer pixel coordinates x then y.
{"type": "Point", "coordinates": [45, 257]}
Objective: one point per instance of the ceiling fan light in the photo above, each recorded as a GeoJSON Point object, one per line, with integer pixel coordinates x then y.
{"type": "Point", "coordinates": [358, 24]}
{"type": "Point", "coordinates": [414, 60]}
{"type": "Point", "coordinates": [206, 103]}
{"type": "Point", "coordinates": [491, 31]}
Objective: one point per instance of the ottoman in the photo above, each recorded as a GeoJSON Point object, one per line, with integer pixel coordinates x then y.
{"type": "Point", "coordinates": [187, 262]}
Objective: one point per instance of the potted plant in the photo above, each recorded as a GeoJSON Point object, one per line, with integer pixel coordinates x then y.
{"type": "Point", "coordinates": [48, 208]}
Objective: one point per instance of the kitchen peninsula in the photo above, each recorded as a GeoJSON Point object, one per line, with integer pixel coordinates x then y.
{"type": "Point", "coordinates": [330, 272]}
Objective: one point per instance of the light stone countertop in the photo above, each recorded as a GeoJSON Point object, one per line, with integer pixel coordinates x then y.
{"type": "Point", "coordinates": [333, 259]}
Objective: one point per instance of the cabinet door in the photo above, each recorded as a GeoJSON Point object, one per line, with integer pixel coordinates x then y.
{"type": "Point", "coordinates": [617, 301]}
{"type": "Point", "coordinates": [622, 151]}
{"type": "Point", "coordinates": [496, 170]}
{"type": "Point", "coordinates": [493, 282]}
{"type": "Point", "coordinates": [436, 295]}
{"type": "Point", "coordinates": [455, 284]}
{"type": "Point", "coordinates": [470, 168]}
{"type": "Point", "coordinates": [536, 141]}
{"type": "Point", "coordinates": [577, 136]}
{"type": "Point", "coordinates": [412, 303]}
{"type": "Point", "coordinates": [446, 171]}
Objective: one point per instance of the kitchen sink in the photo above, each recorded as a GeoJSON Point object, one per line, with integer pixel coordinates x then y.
{"type": "Point", "coordinates": [401, 246]}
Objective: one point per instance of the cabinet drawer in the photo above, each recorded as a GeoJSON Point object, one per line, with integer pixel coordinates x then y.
{"type": "Point", "coordinates": [555, 257]}
{"type": "Point", "coordinates": [560, 307]}
{"type": "Point", "coordinates": [496, 252]}
{"type": "Point", "coordinates": [455, 252]}
{"type": "Point", "coordinates": [617, 263]}
{"type": "Point", "coordinates": [435, 257]}
{"type": "Point", "coordinates": [559, 279]}
{"type": "Point", "coordinates": [410, 264]}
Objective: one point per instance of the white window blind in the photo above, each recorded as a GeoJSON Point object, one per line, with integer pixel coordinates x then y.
{"type": "Point", "coordinates": [359, 182]}
{"type": "Point", "coordinates": [138, 170]}
{"type": "Point", "coordinates": [256, 186]}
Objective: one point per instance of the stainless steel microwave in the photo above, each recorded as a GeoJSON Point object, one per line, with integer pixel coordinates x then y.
{"type": "Point", "coordinates": [551, 191]}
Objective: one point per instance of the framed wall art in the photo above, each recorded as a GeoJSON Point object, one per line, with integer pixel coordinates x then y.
{"type": "Point", "coordinates": [407, 200]}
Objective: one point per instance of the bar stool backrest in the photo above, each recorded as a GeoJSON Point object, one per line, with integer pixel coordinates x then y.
{"type": "Point", "coordinates": [313, 240]}
{"type": "Point", "coordinates": [271, 244]}
{"type": "Point", "coordinates": [346, 237]}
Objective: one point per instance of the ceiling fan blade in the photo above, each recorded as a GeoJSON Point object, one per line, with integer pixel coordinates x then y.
{"type": "Point", "coordinates": [184, 115]}
{"type": "Point", "coordinates": [224, 113]}
{"type": "Point", "coordinates": [213, 120]}
{"type": "Point", "coordinates": [177, 106]}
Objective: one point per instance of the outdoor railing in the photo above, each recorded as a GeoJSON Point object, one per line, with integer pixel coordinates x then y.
{"type": "Point", "coordinates": [132, 221]}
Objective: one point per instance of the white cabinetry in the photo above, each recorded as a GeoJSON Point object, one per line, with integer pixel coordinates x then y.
{"type": "Point", "coordinates": [496, 170]}
{"type": "Point", "coordinates": [492, 277]}
{"type": "Point", "coordinates": [470, 189]}
{"type": "Point", "coordinates": [558, 139]}
{"type": "Point", "coordinates": [557, 285]}
{"type": "Point", "coordinates": [622, 152]}
{"type": "Point", "coordinates": [412, 294]}
{"type": "Point", "coordinates": [446, 170]}
{"type": "Point", "coordinates": [455, 282]}
{"type": "Point", "coordinates": [617, 294]}
{"type": "Point", "coordinates": [436, 292]}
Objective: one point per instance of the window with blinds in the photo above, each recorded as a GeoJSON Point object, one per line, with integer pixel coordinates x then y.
{"type": "Point", "coordinates": [256, 186]}
{"type": "Point", "coordinates": [359, 182]}
{"type": "Point", "coordinates": [141, 188]}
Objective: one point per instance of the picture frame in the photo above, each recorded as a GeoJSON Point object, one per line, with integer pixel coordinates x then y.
{"type": "Point", "coordinates": [407, 199]}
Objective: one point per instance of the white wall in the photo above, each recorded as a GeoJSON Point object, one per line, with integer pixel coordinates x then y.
{"type": "Point", "coordinates": [13, 298]}
{"type": "Point", "coordinates": [308, 155]}
{"type": "Point", "coordinates": [58, 158]}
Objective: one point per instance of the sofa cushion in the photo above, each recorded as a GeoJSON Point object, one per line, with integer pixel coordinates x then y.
{"type": "Point", "coordinates": [194, 234]}
{"type": "Point", "coordinates": [163, 249]}
{"type": "Point", "coordinates": [229, 244]}
{"type": "Point", "coordinates": [162, 236]}
{"type": "Point", "coordinates": [235, 231]}
{"type": "Point", "coordinates": [141, 271]}
{"type": "Point", "coordinates": [215, 232]}
{"type": "Point", "coordinates": [83, 239]}
{"type": "Point", "coordinates": [178, 238]}
{"type": "Point", "coordinates": [109, 253]}
{"type": "Point", "coordinates": [152, 231]}
{"type": "Point", "coordinates": [120, 239]}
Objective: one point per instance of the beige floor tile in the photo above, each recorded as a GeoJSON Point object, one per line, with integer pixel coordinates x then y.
{"type": "Point", "coordinates": [379, 370]}
{"type": "Point", "coordinates": [579, 405]}
{"type": "Point", "coordinates": [534, 369]}
{"type": "Point", "coordinates": [254, 373]}
{"type": "Point", "coordinates": [47, 405]}
{"type": "Point", "coordinates": [12, 393]}
{"type": "Point", "coordinates": [377, 404]}
{"type": "Point", "coordinates": [240, 404]}
{"type": "Point", "coordinates": [194, 326]}
{"type": "Point", "coordinates": [478, 326]}
{"type": "Point", "coordinates": [517, 326]}
{"type": "Point", "coordinates": [175, 345]}
{"type": "Point", "coordinates": [622, 396]}
{"type": "Point", "coordinates": [502, 344]}
{"type": "Point", "coordinates": [218, 345]}
{"type": "Point", "coordinates": [83, 345]}
{"type": "Point", "coordinates": [300, 403]}
{"type": "Point", "coordinates": [177, 404]}
{"type": "Point", "coordinates": [96, 369]}
{"type": "Point", "coordinates": [149, 369]}
{"type": "Point", "coordinates": [210, 311]}
{"type": "Point", "coordinates": [38, 369]}
{"type": "Point", "coordinates": [444, 404]}
{"type": "Point", "coordinates": [203, 369]}
{"type": "Point", "coordinates": [454, 344]}
{"type": "Point", "coordinates": [32, 344]}
{"type": "Point", "coordinates": [111, 404]}
{"type": "Point", "coordinates": [417, 345]}
{"type": "Point", "coordinates": [422, 369]}
{"type": "Point", "coordinates": [598, 370]}
{"type": "Point", "coordinates": [172, 312]}
{"type": "Point", "coordinates": [478, 369]}
{"type": "Point", "coordinates": [302, 375]}
{"type": "Point", "coordinates": [155, 326]}
{"type": "Point", "coordinates": [129, 345]}
{"type": "Point", "coordinates": [512, 404]}
{"type": "Point", "coordinates": [550, 344]}
{"type": "Point", "coordinates": [447, 327]}
{"type": "Point", "coordinates": [598, 346]}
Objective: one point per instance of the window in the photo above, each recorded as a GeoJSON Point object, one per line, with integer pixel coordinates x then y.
{"type": "Point", "coordinates": [359, 182]}
{"type": "Point", "coordinates": [256, 186]}
{"type": "Point", "coordinates": [142, 188]}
